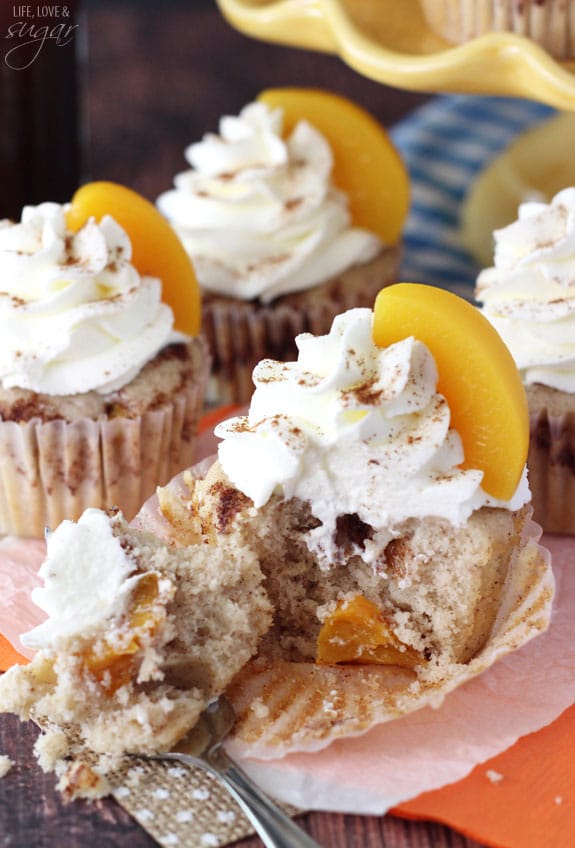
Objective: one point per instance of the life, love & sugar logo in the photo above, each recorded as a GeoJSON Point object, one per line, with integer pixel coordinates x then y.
{"type": "Point", "coordinates": [35, 27]}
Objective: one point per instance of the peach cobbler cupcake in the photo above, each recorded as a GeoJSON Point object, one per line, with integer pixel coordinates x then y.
{"type": "Point", "coordinates": [292, 213]}
{"type": "Point", "coordinates": [381, 481]}
{"type": "Point", "coordinates": [99, 395]}
{"type": "Point", "coordinates": [529, 297]}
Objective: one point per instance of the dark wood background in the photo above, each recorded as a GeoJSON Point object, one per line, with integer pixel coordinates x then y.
{"type": "Point", "coordinates": [160, 75]}
{"type": "Point", "coordinates": [155, 77]}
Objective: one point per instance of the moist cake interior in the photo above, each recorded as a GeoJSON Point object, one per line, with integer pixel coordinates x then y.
{"type": "Point", "coordinates": [437, 586]}
{"type": "Point", "coordinates": [192, 620]}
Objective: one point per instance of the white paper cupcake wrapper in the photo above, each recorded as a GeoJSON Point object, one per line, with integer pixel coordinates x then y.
{"type": "Point", "coordinates": [54, 470]}
{"type": "Point", "coordinates": [551, 467]}
{"type": "Point", "coordinates": [240, 334]}
{"type": "Point", "coordinates": [551, 23]}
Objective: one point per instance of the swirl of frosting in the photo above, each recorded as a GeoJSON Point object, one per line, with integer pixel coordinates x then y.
{"type": "Point", "coordinates": [76, 316]}
{"type": "Point", "coordinates": [529, 293]}
{"type": "Point", "coordinates": [80, 601]}
{"type": "Point", "coordinates": [354, 430]}
{"type": "Point", "coordinates": [259, 215]}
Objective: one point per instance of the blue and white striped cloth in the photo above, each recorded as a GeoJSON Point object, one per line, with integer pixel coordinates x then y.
{"type": "Point", "coordinates": [445, 144]}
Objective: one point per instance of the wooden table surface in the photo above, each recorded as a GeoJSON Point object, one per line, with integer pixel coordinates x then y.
{"type": "Point", "coordinates": [157, 76]}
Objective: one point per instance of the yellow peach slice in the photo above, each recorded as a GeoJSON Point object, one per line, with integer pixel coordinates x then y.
{"type": "Point", "coordinates": [367, 166]}
{"type": "Point", "coordinates": [357, 632]}
{"type": "Point", "coordinates": [477, 376]}
{"type": "Point", "coordinates": [156, 249]}
{"type": "Point", "coordinates": [113, 666]}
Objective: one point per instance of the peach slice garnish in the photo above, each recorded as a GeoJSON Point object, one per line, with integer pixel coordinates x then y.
{"type": "Point", "coordinates": [477, 376]}
{"type": "Point", "coordinates": [357, 632]}
{"type": "Point", "coordinates": [156, 249]}
{"type": "Point", "coordinates": [367, 166]}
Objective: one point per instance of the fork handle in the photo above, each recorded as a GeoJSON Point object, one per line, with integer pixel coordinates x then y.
{"type": "Point", "coordinates": [274, 827]}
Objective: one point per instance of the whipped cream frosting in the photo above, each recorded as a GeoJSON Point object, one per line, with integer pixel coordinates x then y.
{"type": "Point", "coordinates": [355, 430]}
{"type": "Point", "coordinates": [529, 293]}
{"type": "Point", "coordinates": [76, 315]}
{"type": "Point", "coordinates": [80, 600]}
{"type": "Point", "coordinates": [259, 215]}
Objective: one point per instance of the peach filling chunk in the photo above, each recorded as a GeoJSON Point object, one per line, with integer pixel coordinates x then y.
{"type": "Point", "coordinates": [112, 665]}
{"type": "Point", "coordinates": [357, 632]}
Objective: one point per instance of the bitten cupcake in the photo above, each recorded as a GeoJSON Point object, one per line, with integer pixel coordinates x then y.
{"type": "Point", "coordinates": [291, 214]}
{"type": "Point", "coordinates": [99, 396]}
{"type": "Point", "coordinates": [549, 23]}
{"type": "Point", "coordinates": [529, 297]}
{"type": "Point", "coordinates": [137, 638]}
{"type": "Point", "coordinates": [380, 479]}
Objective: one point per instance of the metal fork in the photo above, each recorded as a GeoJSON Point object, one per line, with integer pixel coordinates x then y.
{"type": "Point", "coordinates": [203, 747]}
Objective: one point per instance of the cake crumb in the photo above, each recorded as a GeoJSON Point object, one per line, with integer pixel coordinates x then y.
{"type": "Point", "coordinates": [79, 780]}
{"type": "Point", "coordinates": [493, 776]}
{"type": "Point", "coordinates": [5, 764]}
{"type": "Point", "coordinates": [51, 747]}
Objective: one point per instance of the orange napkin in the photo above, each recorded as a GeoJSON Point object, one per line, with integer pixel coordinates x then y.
{"type": "Point", "coordinates": [210, 419]}
{"type": "Point", "coordinates": [523, 798]}
{"type": "Point", "coordinates": [9, 655]}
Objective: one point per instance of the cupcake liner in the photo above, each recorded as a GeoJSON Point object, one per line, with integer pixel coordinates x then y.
{"type": "Point", "coordinates": [550, 23]}
{"type": "Point", "coordinates": [240, 337]}
{"type": "Point", "coordinates": [241, 333]}
{"type": "Point", "coordinates": [551, 466]}
{"type": "Point", "coordinates": [283, 707]}
{"type": "Point", "coordinates": [54, 470]}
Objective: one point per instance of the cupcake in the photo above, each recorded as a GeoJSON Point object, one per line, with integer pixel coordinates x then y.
{"type": "Point", "coordinates": [278, 248]}
{"type": "Point", "coordinates": [528, 296]}
{"type": "Point", "coordinates": [549, 23]}
{"type": "Point", "coordinates": [99, 396]}
{"type": "Point", "coordinates": [396, 566]}
{"type": "Point", "coordinates": [128, 657]}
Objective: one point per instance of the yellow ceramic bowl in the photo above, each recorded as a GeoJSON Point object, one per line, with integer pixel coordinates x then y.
{"type": "Point", "coordinates": [390, 42]}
